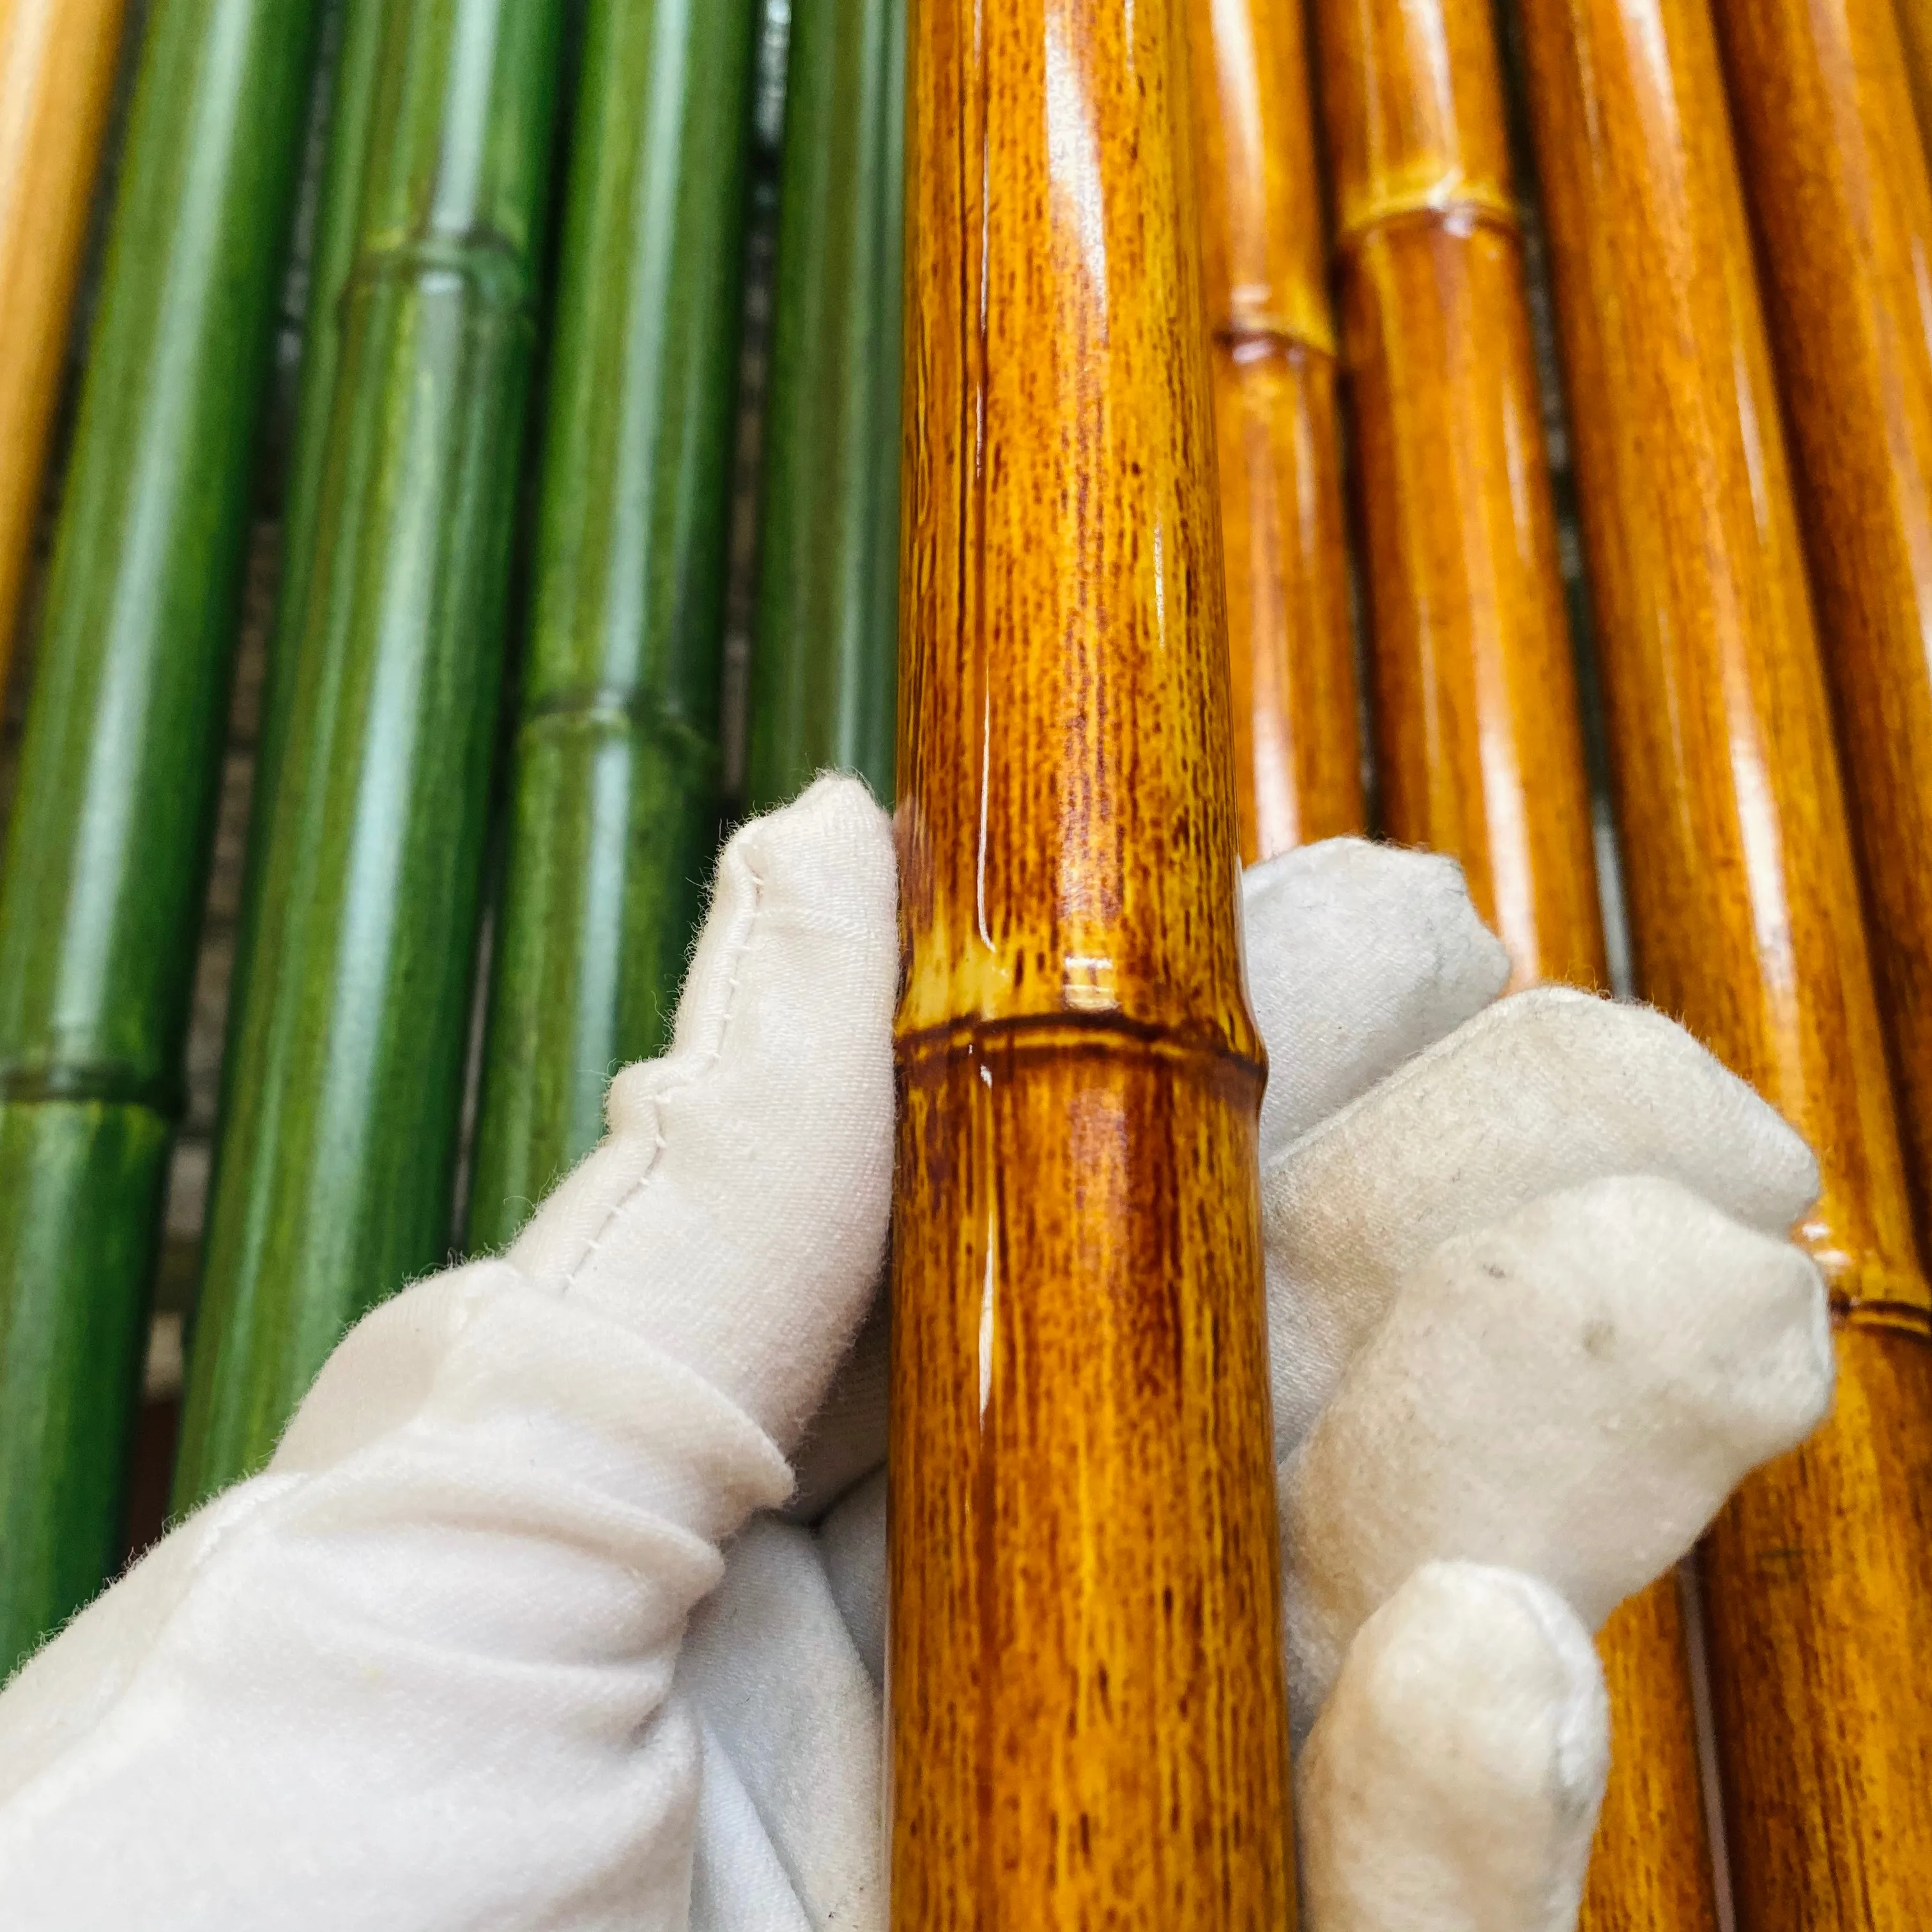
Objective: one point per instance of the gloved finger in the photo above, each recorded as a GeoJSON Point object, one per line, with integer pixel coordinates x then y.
{"type": "Point", "coordinates": [1358, 957]}
{"type": "Point", "coordinates": [1572, 1392]}
{"type": "Point", "coordinates": [1453, 1782]}
{"type": "Point", "coordinates": [500, 1500]}
{"type": "Point", "coordinates": [1546, 1091]}
{"type": "Point", "coordinates": [768, 1662]}
{"type": "Point", "coordinates": [736, 1212]}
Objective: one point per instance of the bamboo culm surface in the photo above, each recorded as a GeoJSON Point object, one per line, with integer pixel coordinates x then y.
{"type": "Point", "coordinates": [356, 30]}
{"type": "Point", "coordinates": [1914, 29]}
{"type": "Point", "coordinates": [1088, 1723]}
{"type": "Point", "coordinates": [1840, 187]}
{"type": "Point", "coordinates": [57, 66]}
{"type": "Point", "coordinates": [1480, 749]}
{"type": "Point", "coordinates": [337, 1148]}
{"type": "Point", "coordinates": [1295, 704]}
{"type": "Point", "coordinates": [824, 647]}
{"type": "Point", "coordinates": [614, 794]}
{"type": "Point", "coordinates": [108, 850]}
{"type": "Point", "coordinates": [1746, 924]}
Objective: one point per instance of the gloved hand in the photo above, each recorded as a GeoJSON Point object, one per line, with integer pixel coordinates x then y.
{"type": "Point", "coordinates": [507, 1635]}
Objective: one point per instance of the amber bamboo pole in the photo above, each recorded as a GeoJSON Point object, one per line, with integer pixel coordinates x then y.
{"type": "Point", "coordinates": [57, 63]}
{"type": "Point", "coordinates": [1088, 1723]}
{"type": "Point", "coordinates": [1838, 184]}
{"type": "Point", "coordinates": [1915, 29]}
{"type": "Point", "coordinates": [1295, 705]}
{"type": "Point", "coordinates": [1746, 922]}
{"type": "Point", "coordinates": [1480, 752]}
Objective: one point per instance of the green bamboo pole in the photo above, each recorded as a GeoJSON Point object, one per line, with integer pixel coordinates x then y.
{"type": "Point", "coordinates": [337, 1149]}
{"type": "Point", "coordinates": [824, 650]}
{"type": "Point", "coordinates": [356, 28]}
{"type": "Point", "coordinates": [107, 853]}
{"type": "Point", "coordinates": [614, 799]}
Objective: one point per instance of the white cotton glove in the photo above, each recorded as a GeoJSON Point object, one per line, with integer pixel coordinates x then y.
{"type": "Point", "coordinates": [462, 1656]}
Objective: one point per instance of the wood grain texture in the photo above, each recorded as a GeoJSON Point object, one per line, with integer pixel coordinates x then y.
{"type": "Point", "coordinates": [57, 66]}
{"type": "Point", "coordinates": [1088, 1718]}
{"type": "Point", "coordinates": [1295, 705]}
{"type": "Point", "coordinates": [1480, 752]}
{"type": "Point", "coordinates": [614, 792]}
{"type": "Point", "coordinates": [107, 850]}
{"type": "Point", "coordinates": [338, 1139]}
{"type": "Point", "coordinates": [1746, 924]}
{"type": "Point", "coordinates": [1838, 186]}
{"type": "Point", "coordinates": [824, 651]}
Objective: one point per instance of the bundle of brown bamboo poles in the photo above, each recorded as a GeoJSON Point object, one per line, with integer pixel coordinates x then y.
{"type": "Point", "coordinates": [1079, 1355]}
{"type": "Point", "coordinates": [1480, 752]}
{"type": "Point", "coordinates": [1747, 923]}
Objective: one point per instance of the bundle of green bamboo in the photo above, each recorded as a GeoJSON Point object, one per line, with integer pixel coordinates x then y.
{"type": "Point", "coordinates": [108, 846]}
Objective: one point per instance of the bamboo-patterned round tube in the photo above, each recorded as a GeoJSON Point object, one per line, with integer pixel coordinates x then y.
{"type": "Point", "coordinates": [1480, 753]}
{"type": "Point", "coordinates": [1840, 189]}
{"type": "Point", "coordinates": [107, 852]}
{"type": "Point", "coordinates": [824, 648]}
{"type": "Point", "coordinates": [338, 1139]}
{"type": "Point", "coordinates": [57, 63]}
{"type": "Point", "coordinates": [614, 788]}
{"type": "Point", "coordinates": [1088, 1715]}
{"type": "Point", "coordinates": [1747, 923]}
{"type": "Point", "coordinates": [1295, 704]}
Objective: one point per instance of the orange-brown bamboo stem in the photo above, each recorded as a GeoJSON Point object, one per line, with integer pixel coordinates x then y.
{"type": "Point", "coordinates": [1295, 708]}
{"type": "Point", "coordinates": [1914, 27]}
{"type": "Point", "coordinates": [1480, 753]}
{"type": "Point", "coordinates": [1839, 187]}
{"type": "Point", "coordinates": [1480, 750]}
{"type": "Point", "coordinates": [1747, 923]}
{"type": "Point", "coordinates": [57, 61]}
{"type": "Point", "coordinates": [1088, 1722]}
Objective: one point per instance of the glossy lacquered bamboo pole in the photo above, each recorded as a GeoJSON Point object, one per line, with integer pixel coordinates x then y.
{"type": "Point", "coordinates": [352, 37]}
{"type": "Point", "coordinates": [336, 1147]}
{"type": "Point", "coordinates": [1480, 753]}
{"type": "Point", "coordinates": [108, 848]}
{"type": "Point", "coordinates": [1838, 184]}
{"type": "Point", "coordinates": [614, 790]}
{"type": "Point", "coordinates": [1295, 707]}
{"type": "Point", "coordinates": [1747, 922]}
{"type": "Point", "coordinates": [1915, 29]}
{"type": "Point", "coordinates": [57, 65]}
{"type": "Point", "coordinates": [1088, 1721]}
{"type": "Point", "coordinates": [824, 647]}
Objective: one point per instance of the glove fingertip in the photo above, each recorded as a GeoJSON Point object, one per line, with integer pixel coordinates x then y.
{"type": "Point", "coordinates": [1454, 1777]}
